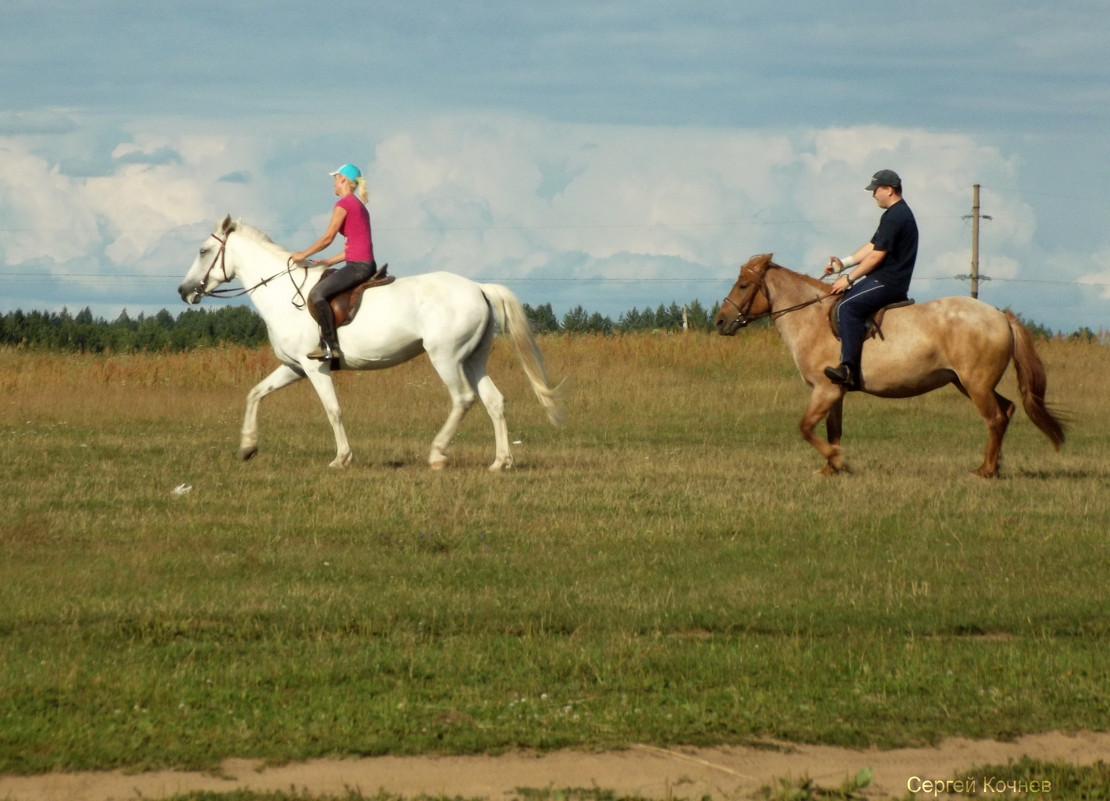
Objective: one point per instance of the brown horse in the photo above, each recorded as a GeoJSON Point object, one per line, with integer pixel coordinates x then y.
{"type": "Point", "coordinates": [954, 340]}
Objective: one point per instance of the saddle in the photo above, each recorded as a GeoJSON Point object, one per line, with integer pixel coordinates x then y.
{"type": "Point", "coordinates": [344, 306]}
{"type": "Point", "coordinates": [874, 325]}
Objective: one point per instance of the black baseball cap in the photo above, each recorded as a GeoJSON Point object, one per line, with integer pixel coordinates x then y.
{"type": "Point", "coordinates": [884, 178]}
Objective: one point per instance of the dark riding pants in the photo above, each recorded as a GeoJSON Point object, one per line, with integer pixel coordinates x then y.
{"type": "Point", "coordinates": [860, 302]}
{"type": "Point", "coordinates": [348, 277]}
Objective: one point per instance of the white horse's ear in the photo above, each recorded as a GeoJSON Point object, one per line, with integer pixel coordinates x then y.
{"type": "Point", "coordinates": [226, 225]}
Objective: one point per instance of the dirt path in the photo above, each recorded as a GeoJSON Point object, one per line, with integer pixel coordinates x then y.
{"type": "Point", "coordinates": [722, 773]}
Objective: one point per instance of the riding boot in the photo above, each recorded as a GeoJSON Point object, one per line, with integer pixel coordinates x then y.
{"type": "Point", "coordinates": [845, 375]}
{"type": "Point", "coordinates": [329, 337]}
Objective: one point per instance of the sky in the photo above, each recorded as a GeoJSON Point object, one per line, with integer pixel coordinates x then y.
{"type": "Point", "coordinates": [605, 154]}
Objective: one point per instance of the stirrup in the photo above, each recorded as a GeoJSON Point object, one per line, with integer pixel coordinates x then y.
{"type": "Point", "coordinates": [842, 376]}
{"type": "Point", "coordinates": [323, 353]}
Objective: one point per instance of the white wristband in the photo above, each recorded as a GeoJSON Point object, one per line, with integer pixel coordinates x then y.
{"type": "Point", "coordinates": [848, 263]}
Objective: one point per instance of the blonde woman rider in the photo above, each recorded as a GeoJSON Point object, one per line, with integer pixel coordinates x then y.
{"type": "Point", "coordinates": [351, 219]}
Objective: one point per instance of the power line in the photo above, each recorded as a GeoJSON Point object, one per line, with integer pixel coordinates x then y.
{"type": "Point", "coordinates": [436, 230]}
{"type": "Point", "coordinates": [25, 277]}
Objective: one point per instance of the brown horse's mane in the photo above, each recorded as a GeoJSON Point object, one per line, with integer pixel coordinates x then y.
{"type": "Point", "coordinates": [808, 279]}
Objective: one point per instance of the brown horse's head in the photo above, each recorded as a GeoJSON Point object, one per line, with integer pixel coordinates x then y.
{"type": "Point", "coordinates": [748, 299]}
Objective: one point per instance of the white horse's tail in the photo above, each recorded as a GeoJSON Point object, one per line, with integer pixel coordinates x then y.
{"type": "Point", "coordinates": [514, 324]}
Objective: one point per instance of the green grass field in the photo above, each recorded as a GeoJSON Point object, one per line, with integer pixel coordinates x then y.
{"type": "Point", "coordinates": [665, 569]}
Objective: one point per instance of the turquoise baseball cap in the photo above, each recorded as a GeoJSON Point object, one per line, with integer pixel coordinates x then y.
{"type": "Point", "coordinates": [349, 170]}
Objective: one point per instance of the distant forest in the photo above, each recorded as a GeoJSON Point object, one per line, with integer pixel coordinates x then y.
{"type": "Point", "coordinates": [197, 328]}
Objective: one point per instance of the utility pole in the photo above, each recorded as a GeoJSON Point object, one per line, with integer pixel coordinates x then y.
{"type": "Point", "coordinates": [975, 241]}
{"type": "Point", "coordinates": [975, 217]}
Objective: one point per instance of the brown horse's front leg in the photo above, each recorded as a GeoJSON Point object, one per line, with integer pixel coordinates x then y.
{"type": "Point", "coordinates": [825, 403]}
{"type": "Point", "coordinates": [834, 422]}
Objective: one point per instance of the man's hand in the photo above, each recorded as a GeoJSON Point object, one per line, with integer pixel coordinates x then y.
{"type": "Point", "coordinates": [835, 265]}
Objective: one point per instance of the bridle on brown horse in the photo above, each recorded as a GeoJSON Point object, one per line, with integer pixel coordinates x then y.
{"type": "Point", "coordinates": [742, 318]}
{"type": "Point", "coordinates": [221, 258]}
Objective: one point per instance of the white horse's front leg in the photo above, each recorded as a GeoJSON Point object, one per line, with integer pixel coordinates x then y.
{"type": "Point", "coordinates": [279, 378]}
{"type": "Point", "coordinates": [325, 388]}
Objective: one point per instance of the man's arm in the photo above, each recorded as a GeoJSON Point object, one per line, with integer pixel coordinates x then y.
{"type": "Point", "coordinates": [838, 265]}
{"type": "Point", "coordinates": [851, 274]}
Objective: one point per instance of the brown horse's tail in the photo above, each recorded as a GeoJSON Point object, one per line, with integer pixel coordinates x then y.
{"type": "Point", "coordinates": [1032, 383]}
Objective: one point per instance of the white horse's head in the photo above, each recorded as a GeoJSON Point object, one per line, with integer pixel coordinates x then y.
{"type": "Point", "coordinates": [252, 257]}
{"type": "Point", "coordinates": [210, 268]}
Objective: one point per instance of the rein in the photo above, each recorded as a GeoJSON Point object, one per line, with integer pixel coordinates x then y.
{"type": "Point", "coordinates": [221, 258]}
{"type": "Point", "coordinates": [743, 319]}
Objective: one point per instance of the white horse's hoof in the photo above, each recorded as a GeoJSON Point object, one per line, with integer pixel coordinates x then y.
{"type": "Point", "coordinates": [438, 464]}
{"type": "Point", "coordinates": [248, 453]}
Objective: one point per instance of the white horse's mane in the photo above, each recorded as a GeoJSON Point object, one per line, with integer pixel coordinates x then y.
{"type": "Point", "coordinates": [255, 234]}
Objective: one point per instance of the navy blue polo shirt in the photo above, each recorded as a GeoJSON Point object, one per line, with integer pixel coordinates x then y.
{"type": "Point", "coordinates": [897, 236]}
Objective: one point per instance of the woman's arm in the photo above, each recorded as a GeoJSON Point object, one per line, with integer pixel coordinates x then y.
{"type": "Point", "coordinates": [338, 215]}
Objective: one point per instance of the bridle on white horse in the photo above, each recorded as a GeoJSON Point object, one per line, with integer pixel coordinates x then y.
{"type": "Point", "coordinates": [221, 258]}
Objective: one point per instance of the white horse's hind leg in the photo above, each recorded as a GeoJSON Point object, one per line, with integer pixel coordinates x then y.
{"type": "Point", "coordinates": [325, 388]}
{"type": "Point", "coordinates": [279, 378]}
{"type": "Point", "coordinates": [462, 398]}
{"type": "Point", "coordinates": [494, 402]}
{"type": "Point", "coordinates": [460, 405]}
{"type": "Point", "coordinates": [474, 368]}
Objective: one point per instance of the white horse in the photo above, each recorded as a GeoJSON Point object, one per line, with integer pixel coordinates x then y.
{"type": "Point", "coordinates": [451, 318]}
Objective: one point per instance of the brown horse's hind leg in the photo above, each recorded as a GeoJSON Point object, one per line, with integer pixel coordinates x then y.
{"type": "Point", "coordinates": [830, 407]}
{"type": "Point", "coordinates": [996, 411]}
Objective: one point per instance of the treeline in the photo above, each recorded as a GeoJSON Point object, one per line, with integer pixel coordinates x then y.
{"type": "Point", "coordinates": [692, 317]}
{"type": "Point", "coordinates": [196, 328]}
{"type": "Point", "coordinates": [82, 332]}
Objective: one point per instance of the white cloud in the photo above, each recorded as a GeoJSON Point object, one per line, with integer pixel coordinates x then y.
{"type": "Point", "coordinates": [43, 213]}
{"type": "Point", "coordinates": [516, 197]}
{"type": "Point", "coordinates": [141, 204]}
{"type": "Point", "coordinates": [518, 193]}
{"type": "Point", "coordinates": [644, 191]}
{"type": "Point", "coordinates": [1100, 274]}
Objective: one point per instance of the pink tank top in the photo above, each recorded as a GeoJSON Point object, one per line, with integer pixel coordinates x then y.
{"type": "Point", "coordinates": [356, 228]}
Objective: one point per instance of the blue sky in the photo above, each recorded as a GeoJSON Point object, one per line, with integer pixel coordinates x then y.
{"type": "Point", "coordinates": [605, 154]}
